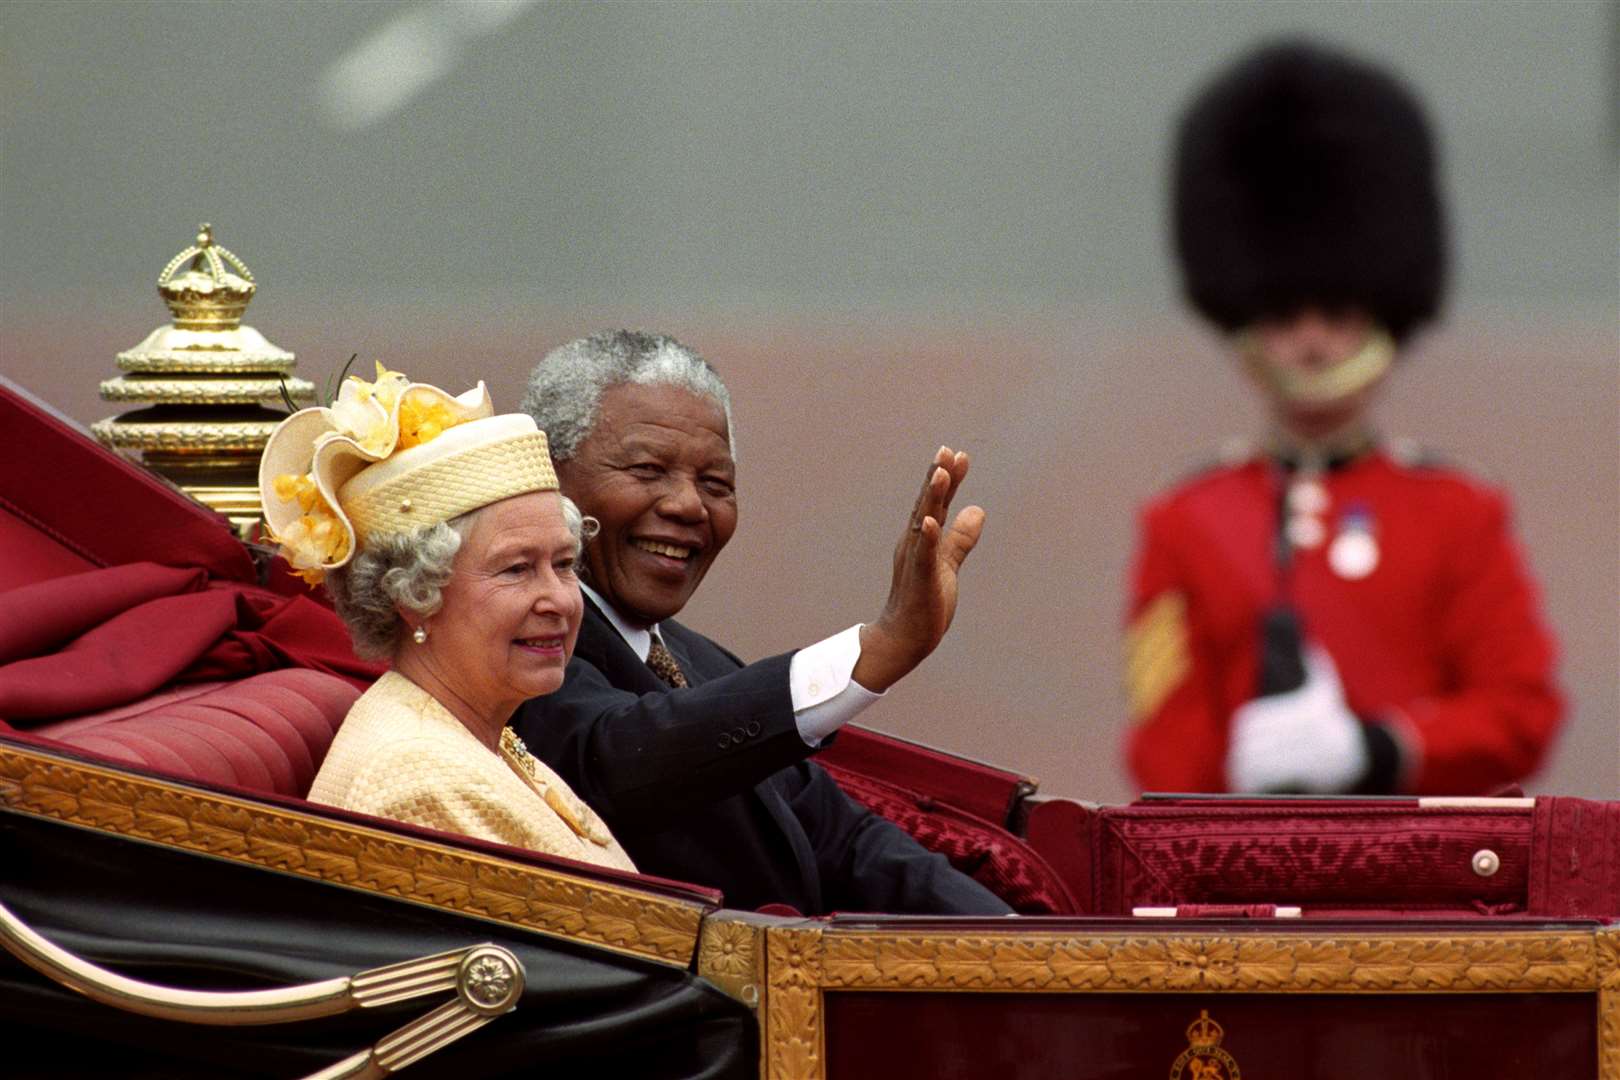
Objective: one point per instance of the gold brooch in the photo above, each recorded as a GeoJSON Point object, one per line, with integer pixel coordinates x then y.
{"type": "Point", "coordinates": [566, 805]}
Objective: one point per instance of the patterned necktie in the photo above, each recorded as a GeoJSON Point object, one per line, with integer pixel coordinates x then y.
{"type": "Point", "coordinates": [664, 664]}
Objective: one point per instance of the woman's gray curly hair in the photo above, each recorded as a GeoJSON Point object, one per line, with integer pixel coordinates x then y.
{"type": "Point", "coordinates": [409, 570]}
{"type": "Point", "coordinates": [565, 389]}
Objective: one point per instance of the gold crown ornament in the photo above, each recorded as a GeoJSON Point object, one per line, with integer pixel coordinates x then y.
{"type": "Point", "coordinates": [210, 390]}
{"type": "Point", "coordinates": [389, 456]}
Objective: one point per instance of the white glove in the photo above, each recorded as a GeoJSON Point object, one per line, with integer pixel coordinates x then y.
{"type": "Point", "coordinates": [1304, 740]}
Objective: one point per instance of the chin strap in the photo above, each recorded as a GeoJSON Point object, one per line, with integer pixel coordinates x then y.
{"type": "Point", "coordinates": [1351, 375]}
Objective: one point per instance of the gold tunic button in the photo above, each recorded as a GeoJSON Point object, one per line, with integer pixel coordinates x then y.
{"type": "Point", "coordinates": [1486, 862]}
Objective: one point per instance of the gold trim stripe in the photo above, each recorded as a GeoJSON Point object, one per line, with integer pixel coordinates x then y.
{"type": "Point", "coordinates": [1352, 963]}
{"type": "Point", "coordinates": [1157, 658]}
{"type": "Point", "coordinates": [551, 902]}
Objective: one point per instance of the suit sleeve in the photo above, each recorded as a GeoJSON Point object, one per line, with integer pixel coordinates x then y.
{"type": "Point", "coordinates": [1497, 723]}
{"type": "Point", "coordinates": [637, 758]}
{"type": "Point", "coordinates": [870, 864]}
{"type": "Point", "coordinates": [1178, 729]}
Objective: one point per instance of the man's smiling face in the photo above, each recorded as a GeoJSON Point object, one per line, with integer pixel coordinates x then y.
{"type": "Point", "coordinates": [656, 472]}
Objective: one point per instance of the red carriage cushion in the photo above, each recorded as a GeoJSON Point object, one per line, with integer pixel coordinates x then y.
{"type": "Point", "coordinates": [992, 856]}
{"type": "Point", "coordinates": [267, 733]}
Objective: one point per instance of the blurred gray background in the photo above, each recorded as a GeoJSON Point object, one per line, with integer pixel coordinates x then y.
{"type": "Point", "coordinates": [889, 226]}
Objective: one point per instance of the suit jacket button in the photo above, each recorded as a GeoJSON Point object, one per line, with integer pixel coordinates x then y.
{"type": "Point", "coordinates": [738, 735]}
{"type": "Point", "coordinates": [753, 728]}
{"type": "Point", "coordinates": [725, 740]}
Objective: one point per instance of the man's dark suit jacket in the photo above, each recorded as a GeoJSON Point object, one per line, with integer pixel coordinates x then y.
{"type": "Point", "coordinates": [710, 784]}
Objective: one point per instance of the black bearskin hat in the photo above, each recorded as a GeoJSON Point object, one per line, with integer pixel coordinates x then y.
{"type": "Point", "coordinates": [1305, 177]}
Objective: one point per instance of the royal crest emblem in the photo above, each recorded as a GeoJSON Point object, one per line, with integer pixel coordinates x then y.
{"type": "Point", "coordinates": [1204, 1059]}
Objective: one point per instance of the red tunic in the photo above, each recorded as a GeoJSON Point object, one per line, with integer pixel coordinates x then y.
{"type": "Point", "coordinates": [1442, 639]}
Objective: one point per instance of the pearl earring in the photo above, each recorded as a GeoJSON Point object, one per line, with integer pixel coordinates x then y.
{"type": "Point", "coordinates": [419, 635]}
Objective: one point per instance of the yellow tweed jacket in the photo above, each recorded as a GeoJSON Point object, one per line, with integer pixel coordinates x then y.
{"type": "Point", "coordinates": [400, 754]}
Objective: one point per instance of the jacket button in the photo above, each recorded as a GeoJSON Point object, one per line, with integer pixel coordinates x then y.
{"type": "Point", "coordinates": [725, 740]}
{"type": "Point", "coordinates": [753, 728]}
{"type": "Point", "coordinates": [738, 735]}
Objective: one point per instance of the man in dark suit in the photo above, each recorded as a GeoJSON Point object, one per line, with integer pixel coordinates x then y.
{"type": "Point", "coordinates": [697, 761]}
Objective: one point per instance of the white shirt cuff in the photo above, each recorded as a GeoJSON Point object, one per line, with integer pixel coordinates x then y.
{"type": "Point", "coordinates": [825, 695]}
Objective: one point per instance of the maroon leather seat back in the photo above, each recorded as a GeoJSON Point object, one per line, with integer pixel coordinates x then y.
{"type": "Point", "coordinates": [269, 732]}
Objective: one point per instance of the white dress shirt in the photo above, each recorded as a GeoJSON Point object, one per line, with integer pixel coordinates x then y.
{"type": "Point", "coordinates": [820, 677]}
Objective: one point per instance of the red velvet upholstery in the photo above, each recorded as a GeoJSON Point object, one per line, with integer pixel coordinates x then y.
{"type": "Point", "coordinates": [267, 733]}
{"type": "Point", "coordinates": [1328, 858]}
{"type": "Point", "coordinates": [985, 791]}
{"type": "Point", "coordinates": [992, 856]}
{"type": "Point", "coordinates": [1576, 869]}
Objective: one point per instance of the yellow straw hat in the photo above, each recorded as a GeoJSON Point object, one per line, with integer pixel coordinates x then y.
{"type": "Point", "coordinates": [389, 456]}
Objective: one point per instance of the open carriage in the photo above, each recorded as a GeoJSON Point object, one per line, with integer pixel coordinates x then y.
{"type": "Point", "coordinates": [174, 907]}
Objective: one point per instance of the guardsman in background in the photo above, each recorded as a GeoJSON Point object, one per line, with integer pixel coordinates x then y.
{"type": "Point", "coordinates": [1328, 613]}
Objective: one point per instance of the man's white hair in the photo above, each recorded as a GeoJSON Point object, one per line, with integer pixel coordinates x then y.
{"type": "Point", "coordinates": [565, 389]}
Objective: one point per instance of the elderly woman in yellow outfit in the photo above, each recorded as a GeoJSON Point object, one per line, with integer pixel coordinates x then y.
{"type": "Point", "coordinates": [448, 551]}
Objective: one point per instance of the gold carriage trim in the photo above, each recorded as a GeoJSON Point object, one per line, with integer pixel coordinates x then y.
{"type": "Point", "coordinates": [551, 902]}
{"type": "Point", "coordinates": [186, 437]}
{"type": "Point", "coordinates": [806, 962]}
{"type": "Point", "coordinates": [181, 390]}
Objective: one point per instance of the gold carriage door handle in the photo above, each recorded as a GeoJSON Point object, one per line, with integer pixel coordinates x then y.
{"type": "Point", "coordinates": [487, 981]}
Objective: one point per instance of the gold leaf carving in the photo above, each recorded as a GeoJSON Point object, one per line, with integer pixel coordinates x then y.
{"type": "Point", "coordinates": [795, 957]}
{"type": "Point", "coordinates": [1606, 959]}
{"type": "Point", "coordinates": [794, 1043]}
{"type": "Point", "coordinates": [1139, 963]}
{"type": "Point", "coordinates": [909, 961]}
{"type": "Point", "coordinates": [727, 949]}
{"type": "Point", "coordinates": [852, 961]}
{"type": "Point", "coordinates": [793, 1015]}
{"type": "Point", "coordinates": [966, 962]}
{"type": "Point", "coordinates": [445, 880]}
{"type": "Point", "coordinates": [1379, 965]}
{"type": "Point", "coordinates": [275, 853]}
{"type": "Point", "coordinates": [1436, 963]}
{"type": "Point", "coordinates": [97, 811]}
{"type": "Point", "coordinates": [1318, 965]}
{"type": "Point", "coordinates": [1262, 964]}
{"type": "Point", "coordinates": [208, 834]}
{"type": "Point", "coordinates": [1201, 965]}
{"type": "Point", "coordinates": [668, 930]}
{"type": "Point", "coordinates": [332, 865]}
{"type": "Point", "coordinates": [1559, 962]}
{"type": "Point", "coordinates": [613, 918]}
{"type": "Point", "coordinates": [731, 955]}
{"type": "Point", "coordinates": [1606, 956]}
{"type": "Point", "coordinates": [1023, 965]}
{"type": "Point", "coordinates": [859, 959]}
{"type": "Point", "coordinates": [1081, 965]}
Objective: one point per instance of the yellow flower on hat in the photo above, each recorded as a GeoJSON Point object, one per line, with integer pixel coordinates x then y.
{"type": "Point", "coordinates": [363, 414]}
{"type": "Point", "coordinates": [315, 452]}
{"type": "Point", "coordinates": [422, 419]}
{"type": "Point", "coordinates": [315, 540]}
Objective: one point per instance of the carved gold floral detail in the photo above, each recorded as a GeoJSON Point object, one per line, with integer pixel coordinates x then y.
{"type": "Point", "coordinates": [200, 391]}
{"type": "Point", "coordinates": [246, 436]}
{"type": "Point", "coordinates": [794, 1045]}
{"type": "Point", "coordinates": [731, 955]}
{"type": "Point", "coordinates": [551, 902]}
{"type": "Point", "coordinates": [1521, 961]}
{"type": "Point", "coordinates": [1608, 970]}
